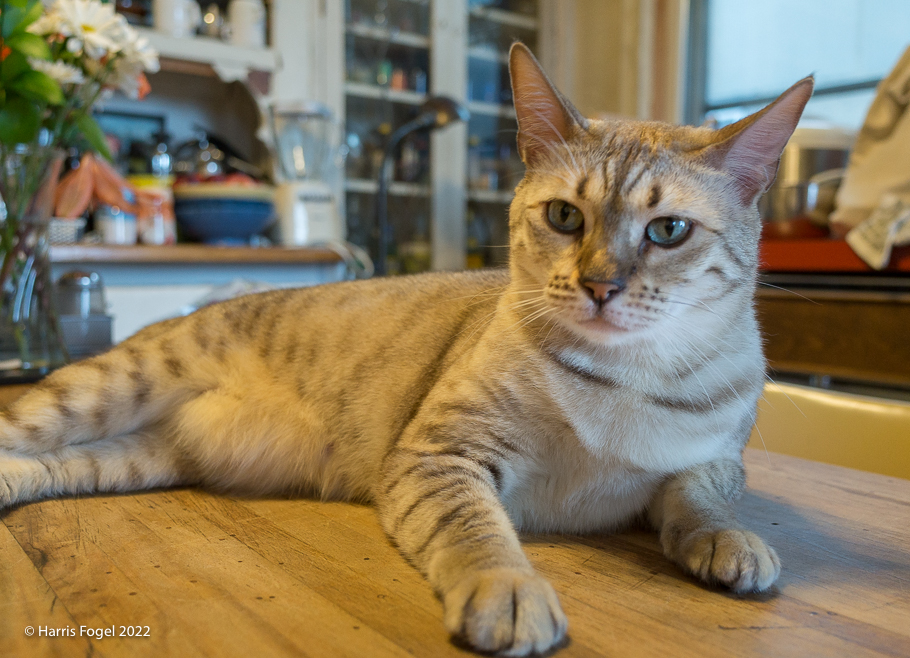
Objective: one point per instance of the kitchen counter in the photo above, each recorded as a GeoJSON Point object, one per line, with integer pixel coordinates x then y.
{"type": "Point", "coordinates": [144, 284]}
{"type": "Point", "coordinates": [211, 575]}
{"type": "Point", "coordinates": [823, 255]}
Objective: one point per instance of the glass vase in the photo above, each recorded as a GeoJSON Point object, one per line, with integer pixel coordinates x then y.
{"type": "Point", "coordinates": [31, 341]}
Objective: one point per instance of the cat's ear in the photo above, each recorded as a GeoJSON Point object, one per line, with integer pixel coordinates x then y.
{"type": "Point", "coordinates": [750, 149]}
{"type": "Point", "coordinates": [545, 117]}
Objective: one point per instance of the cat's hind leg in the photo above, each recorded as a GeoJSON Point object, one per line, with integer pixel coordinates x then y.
{"type": "Point", "coordinates": [115, 393]}
{"type": "Point", "coordinates": [132, 462]}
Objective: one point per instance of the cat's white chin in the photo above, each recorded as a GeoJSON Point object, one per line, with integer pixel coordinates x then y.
{"type": "Point", "coordinates": [606, 330]}
{"type": "Point", "coordinates": [601, 325]}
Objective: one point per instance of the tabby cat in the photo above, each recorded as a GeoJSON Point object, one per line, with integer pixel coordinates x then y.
{"type": "Point", "coordinates": [611, 374]}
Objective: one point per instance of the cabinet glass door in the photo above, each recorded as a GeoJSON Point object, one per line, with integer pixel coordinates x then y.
{"type": "Point", "coordinates": [387, 67]}
{"type": "Point", "coordinates": [494, 168]}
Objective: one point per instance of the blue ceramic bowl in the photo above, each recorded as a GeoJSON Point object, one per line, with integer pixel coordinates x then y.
{"type": "Point", "coordinates": [223, 220]}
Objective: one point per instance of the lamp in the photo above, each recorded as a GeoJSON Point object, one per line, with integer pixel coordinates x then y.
{"type": "Point", "coordinates": [436, 112]}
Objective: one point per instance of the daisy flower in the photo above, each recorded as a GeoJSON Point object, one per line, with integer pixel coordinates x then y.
{"type": "Point", "coordinates": [90, 25]}
{"type": "Point", "coordinates": [49, 23]}
{"type": "Point", "coordinates": [59, 71]}
{"type": "Point", "coordinates": [137, 50]}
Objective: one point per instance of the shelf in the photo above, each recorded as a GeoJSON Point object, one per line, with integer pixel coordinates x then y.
{"type": "Point", "coordinates": [229, 62]}
{"type": "Point", "coordinates": [822, 255]}
{"type": "Point", "coordinates": [491, 109]}
{"type": "Point", "coordinates": [383, 93]}
{"type": "Point", "coordinates": [491, 196]}
{"type": "Point", "coordinates": [505, 17]}
{"type": "Point", "coordinates": [365, 186]}
{"type": "Point", "coordinates": [410, 39]}
{"type": "Point", "coordinates": [488, 55]}
{"type": "Point", "coordinates": [186, 254]}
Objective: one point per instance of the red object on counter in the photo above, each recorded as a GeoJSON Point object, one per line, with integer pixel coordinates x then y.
{"type": "Point", "coordinates": [821, 255]}
{"type": "Point", "coordinates": [792, 229]}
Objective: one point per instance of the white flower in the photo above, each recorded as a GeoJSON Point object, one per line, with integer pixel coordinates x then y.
{"type": "Point", "coordinates": [48, 23]}
{"type": "Point", "coordinates": [125, 77]}
{"type": "Point", "coordinates": [91, 23]}
{"type": "Point", "coordinates": [59, 71]}
{"type": "Point", "coordinates": [138, 51]}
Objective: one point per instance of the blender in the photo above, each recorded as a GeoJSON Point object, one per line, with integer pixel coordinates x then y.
{"type": "Point", "coordinates": [308, 168]}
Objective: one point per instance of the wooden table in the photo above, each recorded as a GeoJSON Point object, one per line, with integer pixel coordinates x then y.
{"type": "Point", "coordinates": [218, 576]}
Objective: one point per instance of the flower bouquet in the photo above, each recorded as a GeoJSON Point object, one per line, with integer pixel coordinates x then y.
{"type": "Point", "coordinates": [55, 65]}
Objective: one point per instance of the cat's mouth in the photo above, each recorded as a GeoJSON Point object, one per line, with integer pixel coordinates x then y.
{"type": "Point", "coordinates": [609, 320]}
{"type": "Point", "coordinates": [602, 325]}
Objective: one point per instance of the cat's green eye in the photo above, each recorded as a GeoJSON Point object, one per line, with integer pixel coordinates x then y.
{"type": "Point", "coordinates": [668, 231]}
{"type": "Point", "coordinates": [564, 216]}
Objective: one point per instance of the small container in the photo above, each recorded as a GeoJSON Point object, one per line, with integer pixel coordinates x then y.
{"type": "Point", "coordinates": [384, 73]}
{"type": "Point", "coordinates": [247, 20]}
{"type": "Point", "coordinates": [419, 81]}
{"type": "Point", "coordinates": [115, 225]}
{"type": "Point", "coordinates": [62, 230]}
{"type": "Point", "coordinates": [86, 327]}
{"type": "Point", "coordinates": [80, 293]}
{"type": "Point", "coordinates": [155, 219]}
{"type": "Point", "coordinates": [399, 80]}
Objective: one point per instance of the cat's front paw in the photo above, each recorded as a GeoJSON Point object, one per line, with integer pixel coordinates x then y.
{"type": "Point", "coordinates": [739, 559]}
{"type": "Point", "coordinates": [505, 611]}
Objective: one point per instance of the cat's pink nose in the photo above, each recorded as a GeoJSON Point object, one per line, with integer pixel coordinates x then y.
{"type": "Point", "coordinates": [602, 291]}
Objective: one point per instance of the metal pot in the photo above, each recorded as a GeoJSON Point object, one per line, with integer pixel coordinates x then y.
{"type": "Point", "coordinates": [810, 151]}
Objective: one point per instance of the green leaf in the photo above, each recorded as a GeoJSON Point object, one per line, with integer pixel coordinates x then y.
{"type": "Point", "coordinates": [20, 120]}
{"type": "Point", "coordinates": [19, 15]}
{"type": "Point", "coordinates": [30, 45]}
{"type": "Point", "coordinates": [39, 87]}
{"type": "Point", "coordinates": [93, 134]}
{"type": "Point", "coordinates": [13, 66]}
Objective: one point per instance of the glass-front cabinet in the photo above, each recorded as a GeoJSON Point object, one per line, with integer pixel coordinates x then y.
{"type": "Point", "coordinates": [494, 168]}
{"type": "Point", "coordinates": [448, 202]}
{"type": "Point", "coordinates": [387, 68]}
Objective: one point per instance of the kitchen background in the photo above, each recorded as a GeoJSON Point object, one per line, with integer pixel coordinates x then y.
{"type": "Point", "coordinates": [291, 105]}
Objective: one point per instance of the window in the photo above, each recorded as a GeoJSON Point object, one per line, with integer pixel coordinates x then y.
{"type": "Point", "coordinates": [744, 53]}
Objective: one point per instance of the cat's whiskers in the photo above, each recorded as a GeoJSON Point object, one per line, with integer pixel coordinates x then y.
{"type": "Point", "coordinates": [709, 361]}
{"type": "Point", "coordinates": [781, 389]}
{"type": "Point", "coordinates": [792, 292]}
{"type": "Point", "coordinates": [484, 295]}
{"type": "Point", "coordinates": [696, 331]}
{"type": "Point", "coordinates": [531, 318]}
{"type": "Point", "coordinates": [484, 320]}
{"type": "Point", "coordinates": [695, 303]}
{"type": "Point", "coordinates": [708, 397]}
{"type": "Point", "coordinates": [547, 337]}
{"type": "Point", "coordinates": [763, 444]}
{"type": "Point", "coordinates": [526, 303]}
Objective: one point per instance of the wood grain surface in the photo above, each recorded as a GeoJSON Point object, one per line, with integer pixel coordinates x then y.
{"type": "Point", "coordinates": [218, 576]}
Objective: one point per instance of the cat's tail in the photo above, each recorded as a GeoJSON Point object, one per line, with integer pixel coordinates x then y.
{"type": "Point", "coordinates": [108, 395]}
{"type": "Point", "coordinates": [125, 463]}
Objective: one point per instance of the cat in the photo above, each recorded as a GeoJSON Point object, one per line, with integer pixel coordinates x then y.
{"type": "Point", "coordinates": [610, 374]}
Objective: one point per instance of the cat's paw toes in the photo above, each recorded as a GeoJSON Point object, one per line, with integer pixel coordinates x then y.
{"type": "Point", "coordinates": [505, 611]}
{"type": "Point", "coordinates": [739, 559]}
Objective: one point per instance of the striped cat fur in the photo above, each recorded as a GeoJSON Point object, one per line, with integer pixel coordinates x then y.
{"type": "Point", "coordinates": [605, 377]}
